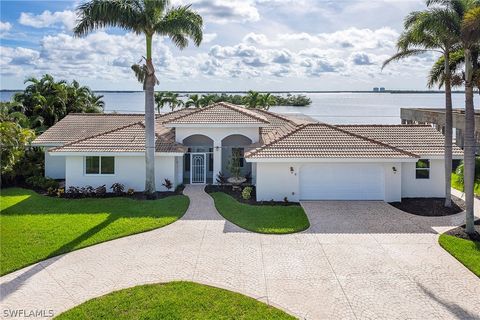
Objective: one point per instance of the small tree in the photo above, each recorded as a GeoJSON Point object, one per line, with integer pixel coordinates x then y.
{"type": "Point", "coordinates": [233, 165]}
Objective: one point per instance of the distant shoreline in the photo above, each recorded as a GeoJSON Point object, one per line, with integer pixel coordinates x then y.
{"type": "Point", "coordinates": [276, 92]}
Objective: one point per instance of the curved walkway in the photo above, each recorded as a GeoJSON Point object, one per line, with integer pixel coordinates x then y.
{"type": "Point", "coordinates": [358, 260]}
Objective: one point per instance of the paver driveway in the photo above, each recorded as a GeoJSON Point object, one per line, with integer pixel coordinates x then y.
{"type": "Point", "coordinates": [359, 260]}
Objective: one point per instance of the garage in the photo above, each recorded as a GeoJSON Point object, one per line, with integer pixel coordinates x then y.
{"type": "Point", "coordinates": [342, 181]}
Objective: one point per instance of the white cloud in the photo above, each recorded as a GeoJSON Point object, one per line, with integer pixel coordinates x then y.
{"type": "Point", "coordinates": [5, 26]}
{"type": "Point", "coordinates": [225, 11]}
{"type": "Point", "coordinates": [209, 37]}
{"type": "Point", "coordinates": [66, 18]}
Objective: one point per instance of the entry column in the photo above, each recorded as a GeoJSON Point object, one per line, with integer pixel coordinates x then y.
{"type": "Point", "coordinates": [217, 159]}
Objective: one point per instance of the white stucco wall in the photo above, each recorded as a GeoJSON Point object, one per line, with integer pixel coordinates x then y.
{"type": "Point", "coordinates": [419, 188]}
{"type": "Point", "coordinates": [129, 170]}
{"type": "Point", "coordinates": [276, 181]}
{"type": "Point", "coordinates": [54, 166]}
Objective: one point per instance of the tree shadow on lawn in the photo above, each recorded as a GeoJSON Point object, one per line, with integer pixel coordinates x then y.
{"type": "Point", "coordinates": [30, 206]}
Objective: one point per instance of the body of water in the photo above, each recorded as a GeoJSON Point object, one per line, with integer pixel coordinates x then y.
{"type": "Point", "coordinates": [335, 108]}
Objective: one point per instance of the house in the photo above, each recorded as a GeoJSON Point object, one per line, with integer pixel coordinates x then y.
{"type": "Point", "coordinates": [286, 156]}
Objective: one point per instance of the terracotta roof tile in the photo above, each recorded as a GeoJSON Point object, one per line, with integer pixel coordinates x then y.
{"type": "Point", "coordinates": [130, 138]}
{"type": "Point", "coordinates": [326, 141]}
{"type": "Point", "coordinates": [77, 126]}
{"type": "Point", "coordinates": [220, 112]}
{"type": "Point", "coordinates": [419, 139]}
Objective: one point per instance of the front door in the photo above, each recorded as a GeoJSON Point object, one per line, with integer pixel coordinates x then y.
{"type": "Point", "coordinates": [197, 168]}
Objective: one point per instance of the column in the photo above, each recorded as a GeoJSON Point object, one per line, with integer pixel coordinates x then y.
{"type": "Point", "coordinates": [217, 159]}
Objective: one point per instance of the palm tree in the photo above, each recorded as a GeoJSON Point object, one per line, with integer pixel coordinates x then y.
{"type": "Point", "coordinates": [193, 101]}
{"type": "Point", "coordinates": [146, 17]}
{"type": "Point", "coordinates": [160, 100]}
{"type": "Point", "coordinates": [468, 13]}
{"type": "Point", "coordinates": [207, 99]}
{"type": "Point", "coordinates": [470, 41]}
{"type": "Point", "coordinates": [251, 100]}
{"type": "Point", "coordinates": [267, 100]}
{"type": "Point", "coordinates": [434, 30]}
{"type": "Point", "coordinates": [172, 99]}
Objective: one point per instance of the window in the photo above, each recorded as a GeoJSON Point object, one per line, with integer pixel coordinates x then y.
{"type": "Point", "coordinates": [100, 165]}
{"type": "Point", "coordinates": [186, 160]}
{"type": "Point", "coordinates": [210, 159]}
{"type": "Point", "coordinates": [422, 169]}
{"type": "Point", "coordinates": [239, 152]}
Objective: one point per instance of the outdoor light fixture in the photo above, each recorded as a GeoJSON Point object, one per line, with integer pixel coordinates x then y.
{"type": "Point", "coordinates": [291, 169]}
{"type": "Point", "coordinates": [217, 147]}
{"type": "Point", "coordinates": [394, 170]}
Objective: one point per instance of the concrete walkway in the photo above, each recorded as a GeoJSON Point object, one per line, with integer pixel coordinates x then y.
{"type": "Point", "coordinates": [359, 260]}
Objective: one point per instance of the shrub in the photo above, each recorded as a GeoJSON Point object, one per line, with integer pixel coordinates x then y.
{"type": "Point", "coordinates": [52, 191]}
{"type": "Point", "coordinates": [88, 191]}
{"type": "Point", "coordinates": [130, 192]}
{"type": "Point", "coordinates": [221, 179]}
{"type": "Point", "coordinates": [60, 192]}
{"type": "Point", "coordinates": [101, 191]}
{"type": "Point", "coordinates": [40, 182]}
{"type": "Point", "coordinates": [167, 184]}
{"type": "Point", "coordinates": [73, 192]}
{"type": "Point", "coordinates": [179, 188]}
{"type": "Point", "coordinates": [247, 193]}
{"type": "Point", "coordinates": [118, 188]}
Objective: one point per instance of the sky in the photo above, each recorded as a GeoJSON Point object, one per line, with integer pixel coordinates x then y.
{"type": "Point", "coordinates": [276, 45]}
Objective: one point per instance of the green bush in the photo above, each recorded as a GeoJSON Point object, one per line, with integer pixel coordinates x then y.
{"type": "Point", "coordinates": [247, 193]}
{"type": "Point", "coordinates": [43, 183]}
{"type": "Point", "coordinates": [460, 168]}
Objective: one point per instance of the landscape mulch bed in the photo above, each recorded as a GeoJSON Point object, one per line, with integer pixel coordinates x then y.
{"type": "Point", "coordinates": [237, 194]}
{"type": "Point", "coordinates": [430, 207]}
{"type": "Point", "coordinates": [459, 232]}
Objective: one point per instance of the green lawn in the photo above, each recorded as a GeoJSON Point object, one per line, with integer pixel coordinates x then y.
{"type": "Point", "coordinates": [174, 300]}
{"type": "Point", "coordinates": [263, 219]}
{"type": "Point", "coordinates": [465, 251]}
{"type": "Point", "coordinates": [457, 184]}
{"type": "Point", "coordinates": [34, 227]}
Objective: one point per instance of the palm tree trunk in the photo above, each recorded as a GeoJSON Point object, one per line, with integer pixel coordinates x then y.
{"type": "Point", "coordinates": [149, 123]}
{"type": "Point", "coordinates": [470, 145]}
{"type": "Point", "coordinates": [448, 131]}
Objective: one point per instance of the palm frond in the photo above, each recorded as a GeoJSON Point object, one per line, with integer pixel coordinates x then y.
{"type": "Point", "coordinates": [180, 24]}
{"type": "Point", "coordinates": [96, 14]}
{"type": "Point", "coordinates": [403, 55]}
{"type": "Point", "coordinates": [471, 25]}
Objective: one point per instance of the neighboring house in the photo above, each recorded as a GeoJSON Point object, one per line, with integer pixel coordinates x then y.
{"type": "Point", "coordinates": [287, 157]}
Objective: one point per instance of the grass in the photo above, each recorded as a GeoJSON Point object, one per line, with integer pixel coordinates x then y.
{"type": "Point", "coordinates": [35, 227]}
{"type": "Point", "coordinates": [465, 251]}
{"type": "Point", "coordinates": [174, 300]}
{"type": "Point", "coordinates": [262, 219]}
{"type": "Point", "coordinates": [458, 184]}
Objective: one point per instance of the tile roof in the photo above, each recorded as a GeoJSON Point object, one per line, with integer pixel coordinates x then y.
{"type": "Point", "coordinates": [326, 141]}
{"type": "Point", "coordinates": [419, 139]}
{"type": "Point", "coordinates": [77, 126]}
{"type": "Point", "coordinates": [130, 138]}
{"type": "Point", "coordinates": [220, 113]}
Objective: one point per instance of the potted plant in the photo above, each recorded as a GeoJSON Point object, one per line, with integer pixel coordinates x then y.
{"type": "Point", "coordinates": [234, 167]}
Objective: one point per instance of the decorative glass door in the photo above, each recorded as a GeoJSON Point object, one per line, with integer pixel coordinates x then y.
{"type": "Point", "coordinates": [197, 168]}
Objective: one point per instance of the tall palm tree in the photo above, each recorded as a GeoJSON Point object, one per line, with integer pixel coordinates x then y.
{"type": "Point", "coordinates": [267, 100]}
{"type": "Point", "coordinates": [160, 100]}
{"type": "Point", "coordinates": [146, 17]}
{"type": "Point", "coordinates": [433, 30]}
{"type": "Point", "coordinates": [470, 40]}
{"type": "Point", "coordinates": [194, 100]}
{"type": "Point", "coordinates": [468, 12]}
{"type": "Point", "coordinates": [207, 99]}
{"type": "Point", "coordinates": [252, 99]}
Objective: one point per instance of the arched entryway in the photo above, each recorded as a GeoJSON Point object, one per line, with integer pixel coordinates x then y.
{"type": "Point", "coordinates": [236, 143]}
{"type": "Point", "coordinates": [198, 161]}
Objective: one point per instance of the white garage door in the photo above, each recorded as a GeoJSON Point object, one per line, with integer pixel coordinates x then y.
{"type": "Point", "coordinates": [342, 182]}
